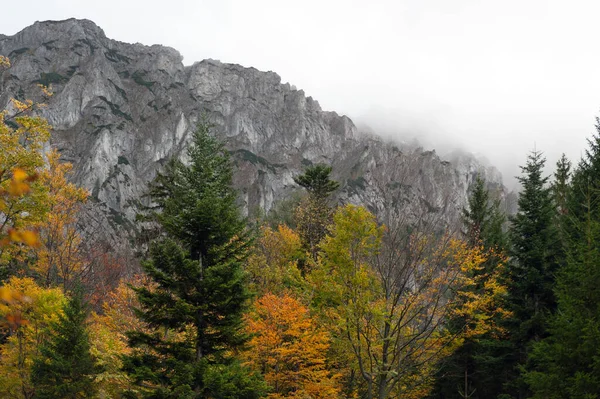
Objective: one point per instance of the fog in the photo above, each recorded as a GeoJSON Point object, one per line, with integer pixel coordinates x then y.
{"type": "Point", "coordinates": [497, 78]}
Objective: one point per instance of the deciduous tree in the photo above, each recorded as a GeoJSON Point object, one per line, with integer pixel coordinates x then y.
{"type": "Point", "coordinates": [273, 263]}
{"type": "Point", "coordinates": [39, 308]}
{"type": "Point", "coordinates": [289, 349]}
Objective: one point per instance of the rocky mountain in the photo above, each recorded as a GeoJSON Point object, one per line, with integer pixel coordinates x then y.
{"type": "Point", "coordinates": [121, 110]}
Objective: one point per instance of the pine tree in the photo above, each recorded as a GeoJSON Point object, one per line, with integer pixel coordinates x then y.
{"type": "Point", "coordinates": [534, 250]}
{"type": "Point", "coordinates": [567, 363]}
{"type": "Point", "coordinates": [314, 214]}
{"type": "Point", "coordinates": [200, 295]}
{"type": "Point", "coordinates": [66, 368]}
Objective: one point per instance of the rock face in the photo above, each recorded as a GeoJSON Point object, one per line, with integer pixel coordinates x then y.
{"type": "Point", "coordinates": [121, 110]}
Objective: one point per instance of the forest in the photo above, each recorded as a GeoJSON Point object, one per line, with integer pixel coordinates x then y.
{"type": "Point", "coordinates": [316, 299]}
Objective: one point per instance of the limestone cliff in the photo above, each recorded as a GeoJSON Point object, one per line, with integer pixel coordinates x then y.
{"type": "Point", "coordinates": [121, 110]}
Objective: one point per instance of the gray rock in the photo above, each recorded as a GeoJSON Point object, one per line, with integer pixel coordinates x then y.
{"type": "Point", "coordinates": [120, 111]}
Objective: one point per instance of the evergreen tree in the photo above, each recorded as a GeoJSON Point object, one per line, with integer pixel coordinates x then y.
{"type": "Point", "coordinates": [483, 220]}
{"type": "Point", "coordinates": [560, 193]}
{"type": "Point", "coordinates": [65, 367]}
{"type": "Point", "coordinates": [314, 214]}
{"type": "Point", "coordinates": [474, 370]}
{"type": "Point", "coordinates": [196, 305]}
{"type": "Point", "coordinates": [534, 250]}
{"type": "Point", "coordinates": [567, 363]}
{"type": "Point", "coordinates": [560, 185]}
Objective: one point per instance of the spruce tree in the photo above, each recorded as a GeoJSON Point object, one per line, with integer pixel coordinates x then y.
{"type": "Point", "coordinates": [567, 363]}
{"type": "Point", "coordinates": [534, 261]}
{"type": "Point", "coordinates": [195, 307]}
{"type": "Point", "coordinates": [483, 220]}
{"type": "Point", "coordinates": [65, 367]}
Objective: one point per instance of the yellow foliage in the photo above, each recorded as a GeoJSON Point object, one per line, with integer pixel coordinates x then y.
{"type": "Point", "coordinates": [273, 264]}
{"type": "Point", "coordinates": [59, 259]}
{"type": "Point", "coordinates": [22, 198]}
{"type": "Point", "coordinates": [4, 62]}
{"type": "Point", "coordinates": [107, 336]}
{"type": "Point", "coordinates": [39, 307]}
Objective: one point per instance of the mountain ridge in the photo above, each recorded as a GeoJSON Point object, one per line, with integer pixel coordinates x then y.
{"type": "Point", "coordinates": [121, 110]}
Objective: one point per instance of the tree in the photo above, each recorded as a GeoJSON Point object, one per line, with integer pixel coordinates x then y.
{"type": "Point", "coordinates": [22, 198]}
{"type": "Point", "coordinates": [289, 349]}
{"type": "Point", "coordinates": [313, 215]}
{"type": "Point", "coordinates": [108, 335]}
{"type": "Point", "coordinates": [483, 219]}
{"type": "Point", "coordinates": [29, 318]}
{"type": "Point", "coordinates": [560, 185]}
{"type": "Point", "coordinates": [534, 247]}
{"type": "Point", "coordinates": [66, 367]}
{"type": "Point", "coordinates": [566, 363]}
{"type": "Point", "coordinates": [385, 294]}
{"type": "Point", "coordinates": [60, 257]}
{"type": "Point", "coordinates": [475, 369]}
{"type": "Point", "coordinates": [195, 309]}
{"type": "Point", "coordinates": [273, 263]}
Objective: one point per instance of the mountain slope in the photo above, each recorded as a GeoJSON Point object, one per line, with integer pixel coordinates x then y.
{"type": "Point", "coordinates": [121, 110]}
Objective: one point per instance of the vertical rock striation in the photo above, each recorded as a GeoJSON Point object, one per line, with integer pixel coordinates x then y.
{"type": "Point", "coordinates": [121, 110]}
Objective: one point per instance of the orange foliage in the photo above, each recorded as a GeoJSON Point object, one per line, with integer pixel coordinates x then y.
{"type": "Point", "coordinates": [289, 349]}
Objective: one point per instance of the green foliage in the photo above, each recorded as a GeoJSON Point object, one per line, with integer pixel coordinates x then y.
{"type": "Point", "coordinates": [314, 214]}
{"type": "Point", "coordinates": [65, 367]}
{"type": "Point", "coordinates": [483, 219]}
{"type": "Point", "coordinates": [317, 182]}
{"type": "Point", "coordinates": [198, 296]}
{"type": "Point", "coordinates": [567, 363]}
{"type": "Point", "coordinates": [535, 252]}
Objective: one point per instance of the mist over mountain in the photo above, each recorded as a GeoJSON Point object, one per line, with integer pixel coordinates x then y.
{"type": "Point", "coordinates": [120, 111]}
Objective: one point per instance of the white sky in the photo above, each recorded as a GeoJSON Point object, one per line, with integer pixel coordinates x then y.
{"type": "Point", "coordinates": [496, 77]}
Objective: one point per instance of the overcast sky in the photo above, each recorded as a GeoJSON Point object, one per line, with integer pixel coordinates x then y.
{"type": "Point", "coordinates": [494, 77]}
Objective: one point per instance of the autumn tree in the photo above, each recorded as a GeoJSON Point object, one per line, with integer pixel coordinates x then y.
{"type": "Point", "coordinates": [21, 341]}
{"type": "Point", "coordinates": [61, 257]}
{"type": "Point", "coordinates": [22, 198]}
{"type": "Point", "coordinates": [475, 368]}
{"type": "Point", "coordinates": [199, 284]}
{"type": "Point", "coordinates": [385, 294]}
{"type": "Point", "coordinates": [273, 263]}
{"type": "Point", "coordinates": [313, 214]}
{"type": "Point", "coordinates": [289, 349]}
{"type": "Point", "coordinates": [108, 338]}
{"type": "Point", "coordinates": [65, 367]}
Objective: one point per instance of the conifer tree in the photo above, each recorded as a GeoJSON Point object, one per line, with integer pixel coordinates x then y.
{"type": "Point", "coordinates": [534, 250]}
{"type": "Point", "coordinates": [66, 368]}
{"type": "Point", "coordinates": [199, 296]}
{"type": "Point", "coordinates": [566, 364]}
{"type": "Point", "coordinates": [483, 220]}
{"type": "Point", "coordinates": [314, 214]}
